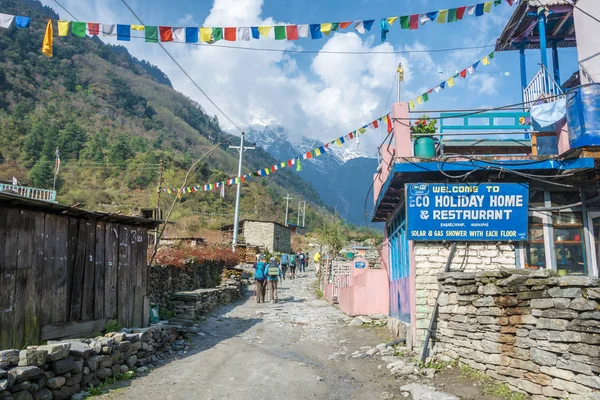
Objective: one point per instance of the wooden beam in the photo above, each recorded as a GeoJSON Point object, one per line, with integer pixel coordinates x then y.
{"type": "Point", "coordinates": [561, 23]}
{"type": "Point", "coordinates": [72, 329]}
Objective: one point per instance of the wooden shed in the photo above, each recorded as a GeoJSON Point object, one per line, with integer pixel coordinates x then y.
{"type": "Point", "coordinates": [64, 271]}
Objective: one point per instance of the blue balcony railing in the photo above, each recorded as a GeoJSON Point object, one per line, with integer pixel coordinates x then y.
{"type": "Point", "coordinates": [32, 193]}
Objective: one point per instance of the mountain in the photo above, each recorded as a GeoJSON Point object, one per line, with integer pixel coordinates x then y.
{"type": "Point", "coordinates": [342, 176]}
{"type": "Point", "coordinates": [114, 118]}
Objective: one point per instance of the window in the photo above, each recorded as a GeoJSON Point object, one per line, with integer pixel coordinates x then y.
{"type": "Point", "coordinates": [535, 252]}
{"type": "Point", "coordinates": [569, 246]}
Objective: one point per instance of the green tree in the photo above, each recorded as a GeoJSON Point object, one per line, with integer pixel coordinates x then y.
{"type": "Point", "coordinates": [119, 151]}
{"type": "Point", "coordinates": [71, 140]}
{"type": "Point", "coordinates": [333, 234]}
{"type": "Point", "coordinates": [41, 175]}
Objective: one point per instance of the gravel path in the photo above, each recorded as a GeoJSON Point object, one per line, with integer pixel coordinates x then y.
{"type": "Point", "coordinates": [298, 348]}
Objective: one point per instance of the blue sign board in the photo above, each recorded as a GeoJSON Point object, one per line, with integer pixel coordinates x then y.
{"type": "Point", "coordinates": [463, 211]}
{"type": "Point", "coordinates": [359, 264]}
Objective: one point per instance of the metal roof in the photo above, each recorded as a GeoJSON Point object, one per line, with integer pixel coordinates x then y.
{"type": "Point", "coordinates": [522, 28]}
{"type": "Point", "coordinates": [242, 221]}
{"type": "Point", "coordinates": [16, 201]}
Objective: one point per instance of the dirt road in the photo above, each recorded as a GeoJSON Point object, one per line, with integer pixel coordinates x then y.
{"type": "Point", "coordinates": [298, 348]}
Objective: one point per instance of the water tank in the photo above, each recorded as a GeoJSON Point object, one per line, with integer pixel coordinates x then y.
{"type": "Point", "coordinates": [424, 147]}
{"type": "Point", "coordinates": [583, 116]}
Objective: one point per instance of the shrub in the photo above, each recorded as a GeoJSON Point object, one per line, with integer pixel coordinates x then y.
{"type": "Point", "coordinates": [180, 256]}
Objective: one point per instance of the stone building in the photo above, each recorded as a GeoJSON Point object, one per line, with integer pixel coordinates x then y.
{"type": "Point", "coordinates": [271, 236]}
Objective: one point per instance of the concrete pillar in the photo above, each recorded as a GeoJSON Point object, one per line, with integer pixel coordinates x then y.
{"type": "Point", "coordinates": [404, 146]}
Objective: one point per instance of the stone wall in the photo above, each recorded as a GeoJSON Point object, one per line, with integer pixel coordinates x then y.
{"type": "Point", "coordinates": [264, 234]}
{"type": "Point", "coordinates": [537, 332]}
{"type": "Point", "coordinates": [61, 369]}
{"type": "Point", "coordinates": [431, 259]}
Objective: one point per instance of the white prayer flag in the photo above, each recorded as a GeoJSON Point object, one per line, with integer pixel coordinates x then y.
{"type": "Point", "coordinates": [470, 10]}
{"type": "Point", "coordinates": [243, 33]}
{"type": "Point", "coordinates": [6, 20]}
{"type": "Point", "coordinates": [359, 26]}
{"type": "Point", "coordinates": [178, 34]}
{"type": "Point", "coordinates": [471, 69]}
{"type": "Point", "coordinates": [109, 30]}
{"type": "Point", "coordinates": [303, 31]}
{"type": "Point", "coordinates": [423, 18]}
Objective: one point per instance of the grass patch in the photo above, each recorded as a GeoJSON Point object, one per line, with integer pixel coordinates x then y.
{"type": "Point", "coordinates": [104, 386]}
{"type": "Point", "coordinates": [491, 386]}
{"type": "Point", "coordinates": [112, 326]}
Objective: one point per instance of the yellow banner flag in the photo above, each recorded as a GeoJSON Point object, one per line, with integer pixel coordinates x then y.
{"type": "Point", "coordinates": [485, 60]}
{"type": "Point", "coordinates": [63, 28]}
{"type": "Point", "coordinates": [391, 20]}
{"type": "Point", "coordinates": [442, 16]}
{"type": "Point", "coordinates": [411, 104]}
{"type": "Point", "coordinates": [450, 82]}
{"type": "Point", "coordinates": [487, 6]}
{"type": "Point", "coordinates": [264, 30]}
{"type": "Point", "coordinates": [205, 34]}
{"type": "Point", "coordinates": [317, 152]}
{"type": "Point", "coordinates": [362, 130]}
{"type": "Point", "coordinates": [338, 142]}
{"type": "Point", "coordinates": [326, 28]}
{"type": "Point", "coordinates": [267, 171]}
{"type": "Point", "coordinates": [137, 27]}
{"type": "Point", "coordinates": [47, 43]}
{"type": "Point", "coordinates": [420, 99]}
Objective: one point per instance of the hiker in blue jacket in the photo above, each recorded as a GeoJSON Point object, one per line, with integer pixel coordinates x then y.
{"type": "Point", "coordinates": [260, 279]}
{"type": "Point", "coordinates": [273, 274]}
{"type": "Point", "coordinates": [285, 259]}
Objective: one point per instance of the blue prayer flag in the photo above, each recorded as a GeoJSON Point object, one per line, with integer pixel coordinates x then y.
{"type": "Point", "coordinates": [385, 28]}
{"type": "Point", "coordinates": [368, 24]}
{"type": "Point", "coordinates": [432, 15]}
{"type": "Point", "coordinates": [479, 10]}
{"type": "Point", "coordinates": [342, 140]}
{"type": "Point", "coordinates": [315, 31]}
{"type": "Point", "coordinates": [191, 35]}
{"type": "Point", "coordinates": [255, 32]}
{"type": "Point", "coordinates": [22, 22]}
{"type": "Point", "coordinates": [476, 65]}
{"type": "Point", "coordinates": [443, 84]}
{"type": "Point", "coordinates": [124, 32]}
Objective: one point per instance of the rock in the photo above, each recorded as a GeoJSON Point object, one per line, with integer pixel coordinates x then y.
{"type": "Point", "coordinates": [21, 386]}
{"type": "Point", "coordinates": [10, 357]}
{"type": "Point", "coordinates": [35, 358]}
{"type": "Point", "coordinates": [529, 387]}
{"type": "Point", "coordinates": [80, 396]}
{"type": "Point", "coordinates": [371, 352]}
{"type": "Point", "coordinates": [142, 370]}
{"type": "Point", "coordinates": [556, 313]}
{"type": "Point", "coordinates": [318, 378]}
{"type": "Point", "coordinates": [78, 367]}
{"type": "Point", "coordinates": [82, 350]}
{"type": "Point", "coordinates": [74, 379]}
{"type": "Point", "coordinates": [422, 392]}
{"type": "Point", "coordinates": [552, 324]}
{"type": "Point", "coordinates": [365, 319]}
{"type": "Point", "coordinates": [590, 315]}
{"type": "Point", "coordinates": [131, 361]}
{"type": "Point", "coordinates": [3, 373]}
{"type": "Point", "coordinates": [124, 346]}
{"type": "Point", "coordinates": [43, 394]}
{"type": "Point", "coordinates": [581, 304]}
{"type": "Point", "coordinates": [66, 392]}
{"type": "Point", "coordinates": [467, 289]}
{"type": "Point", "coordinates": [567, 292]}
{"type": "Point", "coordinates": [25, 373]}
{"type": "Point", "coordinates": [588, 326]}
{"type": "Point", "coordinates": [56, 383]}
{"type": "Point", "coordinates": [61, 366]}
{"type": "Point", "coordinates": [403, 371]}
{"type": "Point", "coordinates": [591, 381]}
{"type": "Point", "coordinates": [428, 372]}
{"type": "Point", "coordinates": [542, 303]}
{"type": "Point", "coordinates": [593, 293]}
{"type": "Point", "coordinates": [381, 346]}
{"type": "Point", "coordinates": [94, 361]}
{"type": "Point", "coordinates": [3, 384]}
{"type": "Point", "coordinates": [124, 369]}
{"type": "Point", "coordinates": [356, 322]}
{"type": "Point", "coordinates": [22, 395]}
{"type": "Point", "coordinates": [581, 281]}
{"type": "Point", "coordinates": [57, 351]}
{"type": "Point", "coordinates": [378, 317]}
{"type": "Point", "coordinates": [490, 289]}
{"type": "Point", "coordinates": [102, 373]}
{"type": "Point", "coordinates": [386, 396]}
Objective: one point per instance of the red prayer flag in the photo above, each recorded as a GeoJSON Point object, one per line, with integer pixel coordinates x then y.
{"type": "Point", "coordinates": [344, 25]}
{"type": "Point", "coordinates": [430, 90]}
{"type": "Point", "coordinates": [273, 168]}
{"type": "Point", "coordinates": [389, 121]}
{"type": "Point", "coordinates": [289, 162]}
{"type": "Point", "coordinates": [166, 33]}
{"type": "Point", "coordinates": [93, 28]}
{"type": "Point", "coordinates": [414, 21]}
{"type": "Point", "coordinates": [375, 124]}
{"type": "Point", "coordinates": [230, 34]}
{"type": "Point", "coordinates": [460, 12]}
{"type": "Point", "coordinates": [350, 136]}
{"type": "Point", "coordinates": [463, 73]}
{"type": "Point", "coordinates": [308, 154]}
{"type": "Point", "coordinates": [291, 32]}
{"type": "Point", "coordinates": [243, 179]}
{"type": "Point", "coordinates": [510, 2]}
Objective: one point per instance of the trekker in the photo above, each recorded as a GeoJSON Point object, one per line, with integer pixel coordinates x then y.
{"type": "Point", "coordinates": [284, 259]}
{"type": "Point", "coordinates": [306, 258]}
{"type": "Point", "coordinates": [317, 260]}
{"type": "Point", "coordinates": [273, 273]}
{"type": "Point", "coordinates": [302, 262]}
{"type": "Point", "coordinates": [259, 279]}
{"type": "Point", "coordinates": [292, 266]}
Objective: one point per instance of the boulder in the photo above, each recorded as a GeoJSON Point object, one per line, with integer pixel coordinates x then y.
{"type": "Point", "coordinates": [55, 383]}
{"type": "Point", "coordinates": [25, 373]}
{"type": "Point", "coordinates": [356, 322]}
{"type": "Point", "coordinates": [9, 357]}
{"type": "Point", "coordinates": [61, 366]}
{"type": "Point", "coordinates": [22, 395]}
{"type": "Point", "coordinates": [66, 392]}
{"type": "Point", "coordinates": [56, 351]}
{"type": "Point", "coordinates": [82, 350]}
{"type": "Point", "coordinates": [423, 392]}
{"type": "Point", "coordinates": [43, 394]}
{"type": "Point", "coordinates": [35, 358]}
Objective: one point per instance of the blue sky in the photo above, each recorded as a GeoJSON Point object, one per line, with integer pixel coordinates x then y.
{"type": "Point", "coordinates": [325, 95]}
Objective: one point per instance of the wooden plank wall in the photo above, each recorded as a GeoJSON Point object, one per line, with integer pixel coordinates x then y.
{"type": "Point", "coordinates": [57, 270]}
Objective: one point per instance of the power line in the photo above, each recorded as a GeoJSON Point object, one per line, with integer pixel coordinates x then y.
{"type": "Point", "coordinates": [186, 73]}
{"type": "Point", "coordinates": [67, 11]}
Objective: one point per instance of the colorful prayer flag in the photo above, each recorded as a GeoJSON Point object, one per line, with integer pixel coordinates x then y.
{"type": "Point", "coordinates": [405, 21]}
{"type": "Point", "coordinates": [487, 6]}
{"type": "Point", "coordinates": [315, 31]}
{"type": "Point", "coordinates": [63, 28]}
{"type": "Point", "coordinates": [47, 43]}
{"type": "Point", "coordinates": [255, 32]}
{"type": "Point", "coordinates": [303, 30]}
{"type": "Point", "coordinates": [124, 32]}
{"type": "Point", "coordinates": [22, 22]}
{"type": "Point", "coordinates": [151, 34]}
{"type": "Point", "coordinates": [317, 152]}
{"type": "Point", "coordinates": [414, 21]}
{"type": "Point", "coordinates": [450, 82]}
{"type": "Point", "coordinates": [205, 35]}
{"type": "Point", "coordinates": [264, 31]}
{"type": "Point", "coordinates": [137, 27]}
{"type": "Point", "coordinates": [452, 17]}
{"type": "Point", "coordinates": [243, 33]}
{"type": "Point", "coordinates": [298, 165]}
{"type": "Point", "coordinates": [442, 15]}
{"type": "Point", "coordinates": [191, 35]}
{"type": "Point", "coordinates": [230, 34]}
{"type": "Point", "coordinates": [166, 33]}
{"type": "Point", "coordinates": [109, 30]}
{"type": "Point", "coordinates": [217, 34]}
{"type": "Point", "coordinates": [375, 124]}
{"type": "Point", "coordinates": [6, 20]}
{"type": "Point", "coordinates": [423, 18]}
{"type": "Point", "coordinates": [359, 27]}
{"type": "Point", "coordinates": [280, 32]}
{"type": "Point", "coordinates": [420, 100]}
{"type": "Point", "coordinates": [78, 28]}
{"type": "Point", "coordinates": [391, 20]}
{"type": "Point", "coordinates": [344, 25]}
{"type": "Point", "coordinates": [368, 24]}
{"type": "Point", "coordinates": [425, 97]}
{"type": "Point", "coordinates": [485, 60]}
{"type": "Point", "coordinates": [460, 12]}
{"type": "Point", "coordinates": [411, 104]}
{"type": "Point", "coordinates": [463, 73]}
{"type": "Point", "coordinates": [389, 123]}
{"type": "Point", "coordinates": [326, 28]}
{"type": "Point", "coordinates": [179, 34]}
{"type": "Point", "coordinates": [291, 32]}
{"type": "Point", "coordinates": [471, 10]}
{"type": "Point", "coordinates": [479, 10]}
{"type": "Point", "coordinates": [93, 28]}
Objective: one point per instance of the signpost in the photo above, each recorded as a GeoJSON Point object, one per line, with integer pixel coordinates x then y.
{"type": "Point", "coordinates": [467, 212]}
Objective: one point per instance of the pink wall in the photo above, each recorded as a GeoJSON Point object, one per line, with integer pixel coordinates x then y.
{"type": "Point", "coordinates": [562, 131]}
{"type": "Point", "coordinates": [368, 293]}
{"type": "Point", "coordinates": [404, 146]}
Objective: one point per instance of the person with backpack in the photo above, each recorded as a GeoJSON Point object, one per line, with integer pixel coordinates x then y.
{"type": "Point", "coordinates": [259, 279]}
{"type": "Point", "coordinates": [292, 266]}
{"type": "Point", "coordinates": [302, 262]}
{"type": "Point", "coordinates": [284, 259]}
{"type": "Point", "coordinates": [273, 274]}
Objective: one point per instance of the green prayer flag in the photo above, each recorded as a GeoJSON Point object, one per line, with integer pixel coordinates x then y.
{"type": "Point", "coordinates": [78, 28]}
{"type": "Point", "coordinates": [497, 2]}
{"type": "Point", "coordinates": [491, 55]}
{"type": "Point", "coordinates": [280, 33]}
{"type": "Point", "coordinates": [298, 165]}
{"type": "Point", "coordinates": [405, 21]}
{"type": "Point", "coordinates": [217, 34]}
{"type": "Point", "coordinates": [452, 15]}
{"type": "Point", "coordinates": [335, 26]}
{"type": "Point", "coordinates": [425, 97]}
{"type": "Point", "coordinates": [151, 33]}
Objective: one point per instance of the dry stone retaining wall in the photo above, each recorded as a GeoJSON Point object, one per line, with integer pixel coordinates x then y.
{"type": "Point", "coordinates": [431, 258]}
{"type": "Point", "coordinates": [534, 330]}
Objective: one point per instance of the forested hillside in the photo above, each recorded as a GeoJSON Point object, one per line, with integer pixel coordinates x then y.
{"type": "Point", "coordinates": [114, 117]}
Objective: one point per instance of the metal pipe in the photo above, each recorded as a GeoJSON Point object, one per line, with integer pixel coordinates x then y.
{"type": "Point", "coordinates": [238, 194]}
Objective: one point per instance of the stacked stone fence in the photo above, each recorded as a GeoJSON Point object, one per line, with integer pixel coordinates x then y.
{"type": "Point", "coordinates": [534, 330]}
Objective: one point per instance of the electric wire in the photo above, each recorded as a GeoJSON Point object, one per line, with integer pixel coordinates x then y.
{"type": "Point", "coordinates": [67, 11]}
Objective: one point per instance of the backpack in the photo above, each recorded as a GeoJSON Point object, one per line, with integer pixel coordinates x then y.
{"type": "Point", "coordinates": [273, 270]}
{"type": "Point", "coordinates": [260, 271]}
{"type": "Point", "coordinates": [293, 259]}
{"type": "Point", "coordinates": [301, 257]}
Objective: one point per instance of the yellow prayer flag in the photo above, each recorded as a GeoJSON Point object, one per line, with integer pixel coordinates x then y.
{"type": "Point", "coordinates": [317, 152]}
{"type": "Point", "coordinates": [47, 43]}
{"type": "Point", "coordinates": [63, 28]}
{"type": "Point", "coordinates": [362, 130]}
{"type": "Point", "coordinates": [420, 99]}
{"type": "Point", "coordinates": [487, 6]}
{"type": "Point", "coordinates": [411, 104]}
{"type": "Point", "coordinates": [338, 142]}
{"type": "Point", "coordinates": [137, 27]}
{"type": "Point", "coordinates": [450, 82]}
{"type": "Point", "coordinates": [326, 28]}
{"type": "Point", "coordinates": [205, 34]}
{"type": "Point", "coordinates": [442, 16]}
{"type": "Point", "coordinates": [267, 171]}
{"type": "Point", "coordinates": [485, 60]}
{"type": "Point", "coordinates": [264, 30]}
{"type": "Point", "coordinates": [391, 20]}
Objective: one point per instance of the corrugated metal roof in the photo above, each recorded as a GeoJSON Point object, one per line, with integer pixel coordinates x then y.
{"type": "Point", "coordinates": [16, 201]}
{"type": "Point", "coordinates": [543, 3]}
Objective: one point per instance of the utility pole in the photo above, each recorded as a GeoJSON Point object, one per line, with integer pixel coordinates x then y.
{"type": "Point", "coordinates": [298, 224]}
{"type": "Point", "coordinates": [400, 79]}
{"type": "Point", "coordinates": [304, 216]}
{"type": "Point", "coordinates": [160, 181]}
{"type": "Point", "coordinates": [287, 206]}
{"type": "Point", "coordinates": [236, 222]}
